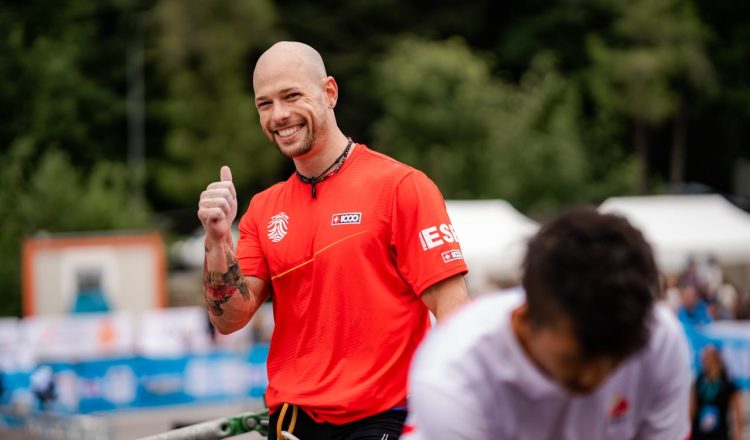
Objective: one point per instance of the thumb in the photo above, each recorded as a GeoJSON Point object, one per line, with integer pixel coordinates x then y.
{"type": "Point", "coordinates": [226, 174]}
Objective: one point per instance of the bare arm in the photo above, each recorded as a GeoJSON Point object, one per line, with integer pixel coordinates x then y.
{"type": "Point", "coordinates": [231, 298]}
{"type": "Point", "coordinates": [737, 410]}
{"type": "Point", "coordinates": [445, 297]}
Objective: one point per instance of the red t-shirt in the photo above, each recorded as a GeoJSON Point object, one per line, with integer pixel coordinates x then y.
{"type": "Point", "coordinates": [347, 269]}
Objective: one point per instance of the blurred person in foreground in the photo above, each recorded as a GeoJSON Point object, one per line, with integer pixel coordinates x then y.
{"type": "Point", "coordinates": [712, 397]}
{"type": "Point", "coordinates": [355, 249]}
{"type": "Point", "coordinates": [586, 353]}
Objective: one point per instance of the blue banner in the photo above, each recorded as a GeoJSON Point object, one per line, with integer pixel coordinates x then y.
{"type": "Point", "coordinates": [732, 338]}
{"type": "Point", "coordinates": [224, 376]}
{"type": "Point", "coordinates": [141, 382]}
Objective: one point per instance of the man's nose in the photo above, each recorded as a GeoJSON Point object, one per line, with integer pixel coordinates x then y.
{"type": "Point", "coordinates": [280, 112]}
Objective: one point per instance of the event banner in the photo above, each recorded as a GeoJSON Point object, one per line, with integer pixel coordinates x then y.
{"type": "Point", "coordinates": [166, 357]}
{"type": "Point", "coordinates": [139, 382]}
{"type": "Point", "coordinates": [732, 338]}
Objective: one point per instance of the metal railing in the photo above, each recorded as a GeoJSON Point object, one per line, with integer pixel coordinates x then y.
{"type": "Point", "coordinates": [219, 428]}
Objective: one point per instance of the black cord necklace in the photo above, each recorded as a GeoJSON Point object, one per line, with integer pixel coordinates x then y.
{"type": "Point", "coordinates": [333, 168]}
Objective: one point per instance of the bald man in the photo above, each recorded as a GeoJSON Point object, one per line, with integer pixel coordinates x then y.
{"type": "Point", "coordinates": [355, 249]}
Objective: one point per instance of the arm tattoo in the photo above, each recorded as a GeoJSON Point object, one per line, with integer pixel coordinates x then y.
{"type": "Point", "coordinates": [218, 287]}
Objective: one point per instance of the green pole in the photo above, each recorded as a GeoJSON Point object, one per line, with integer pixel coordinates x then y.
{"type": "Point", "coordinates": [219, 428]}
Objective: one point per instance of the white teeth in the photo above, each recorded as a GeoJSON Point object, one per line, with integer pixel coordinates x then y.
{"type": "Point", "coordinates": [289, 131]}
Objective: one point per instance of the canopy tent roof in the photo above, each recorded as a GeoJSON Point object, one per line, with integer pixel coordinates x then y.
{"type": "Point", "coordinates": [683, 226]}
{"type": "Point", "coordinates": [493, 239]}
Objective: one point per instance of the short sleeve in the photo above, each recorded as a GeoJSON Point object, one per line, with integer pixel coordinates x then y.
{"type": "Point", "coordinates": [447, 380]}
{"type": "Point", "coordinates": [667, 414]}
{"type": "Point", "coordinates": [439, 411]}
{"type": "Point", "coordinates": [426, 243]}
{"type": "Point", "coordinates": [249, 252]}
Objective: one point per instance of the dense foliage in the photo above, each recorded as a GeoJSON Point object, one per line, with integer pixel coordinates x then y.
{"type": "Point", "coordinates": [114, 114]}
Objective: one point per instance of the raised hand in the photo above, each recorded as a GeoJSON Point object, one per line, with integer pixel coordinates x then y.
{"type": "Point", "coordinates": [217, 208]}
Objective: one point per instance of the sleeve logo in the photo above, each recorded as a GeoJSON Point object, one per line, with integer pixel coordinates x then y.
{"type": "Point", "coordinates": [346, 218]}
{"type": "Point", "coordinates": [278, 226]}
{"type": "Point", "coordinates": [435, 236]}
{"type": "Point", "coordinates": [449, 256]}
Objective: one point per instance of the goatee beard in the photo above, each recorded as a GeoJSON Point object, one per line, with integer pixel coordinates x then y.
{"type": "Point", "coordinates": [305, 148]}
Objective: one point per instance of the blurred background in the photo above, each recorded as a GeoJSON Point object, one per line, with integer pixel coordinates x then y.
{"type": "Point", "coordinates": [115, 114]}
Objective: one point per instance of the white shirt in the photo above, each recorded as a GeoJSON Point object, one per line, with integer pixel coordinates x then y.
{"type": "Point", "coordinates": [472, 380]}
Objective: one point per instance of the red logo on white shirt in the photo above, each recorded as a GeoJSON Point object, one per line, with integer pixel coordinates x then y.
{"type": "Point", "coordinates": [619, 409]}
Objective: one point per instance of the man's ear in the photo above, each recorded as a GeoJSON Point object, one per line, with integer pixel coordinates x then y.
{"type": "Point", "coordinates": [520, 322]}
{"type": "Point", "coordinates": [331, 90]}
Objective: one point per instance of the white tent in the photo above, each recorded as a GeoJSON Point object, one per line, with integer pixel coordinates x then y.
{"type": "Point", "coordinates": [493, 239]}
{"type": "Point", "coordinates": [683, 226]}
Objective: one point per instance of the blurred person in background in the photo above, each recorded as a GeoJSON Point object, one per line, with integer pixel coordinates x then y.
{"type": "Point", "coordinates": [727, 301]}
{"type": "Point", "coordinates": [694, 309]}
{"type": "Point", "coordinates": [587, 353]}
{"type": "Point", "coordinates": [671, 295]}
{"type": "Point", "coordinates": [712, 397]}
{"type": "Point", "coordinates": [355, 250]}
{"type": "Point", "coordinates": [743, 305]}
{"type": "Point", "coordinates": [90, 296]}
{"type": "Point", "coordinates": [42, 383]}
{"type": "Point", "coordinates": [711, 275]}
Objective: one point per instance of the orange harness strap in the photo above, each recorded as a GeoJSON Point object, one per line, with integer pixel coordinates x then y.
{"type": "Point", "coordinates": [280, 422]}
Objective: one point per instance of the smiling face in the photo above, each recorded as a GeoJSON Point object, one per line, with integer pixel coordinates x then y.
{"type": "Point", "coordinates": [294, 98]}
{"type": "Point", "coordinates": [555, 350]}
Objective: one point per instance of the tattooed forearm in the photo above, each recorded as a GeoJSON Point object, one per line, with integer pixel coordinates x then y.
{"type": "Point", "coordinates": [218, 287]}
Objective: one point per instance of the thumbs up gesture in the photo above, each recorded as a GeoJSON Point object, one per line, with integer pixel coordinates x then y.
{"type": "Point", "coordinates": [217, 207]}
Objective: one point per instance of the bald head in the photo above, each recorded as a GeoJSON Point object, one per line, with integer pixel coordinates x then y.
{"type": "Point", "coordinates": [290, 56]}
{"type": "Point", "coordinates": [295, 101]}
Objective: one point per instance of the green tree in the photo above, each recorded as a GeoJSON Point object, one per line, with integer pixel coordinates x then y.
{"type": "Point", "coordinates": [62, 116]}
{"type": "Point", "coordinates": [479, 137]}
{"type": "Point", "coordinates": [202, 51]}
{"type": "Point", "coordinates": [49, 194]}
{"type": "Point", "coordinates": [646, 65]}
{"type": "Point", "coordinates": [352, 35]}
{"type": "Point", "coordinates": [439, 100]}
{"type": "Point", "coordinates": [65, 76]}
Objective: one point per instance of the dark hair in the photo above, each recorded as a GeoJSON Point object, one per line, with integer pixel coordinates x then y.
{"type": "Point", "coordinates": [598, 271]}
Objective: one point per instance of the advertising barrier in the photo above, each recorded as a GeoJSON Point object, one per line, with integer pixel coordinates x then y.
{"type": "Point", "coordinates": [732, 338]}
{"type": "Point", "coordinates": [165, 357]}
{"type": "Point", "coordinates": [140, 382]}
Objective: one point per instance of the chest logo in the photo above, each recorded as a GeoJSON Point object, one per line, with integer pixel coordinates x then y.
{"type": "Point", "coordinates": [619, 408]}
{"type": "Point", "coordinates": [277, 227]}
{"type": "Point", "coordinates": [346, 218]}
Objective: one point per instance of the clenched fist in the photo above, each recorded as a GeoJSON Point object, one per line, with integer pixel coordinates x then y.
{"type": "Point", "coordinates": [217, 208]}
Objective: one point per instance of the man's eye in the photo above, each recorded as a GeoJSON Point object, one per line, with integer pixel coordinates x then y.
{"type": "Point", "coordinates": [293, 96]}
